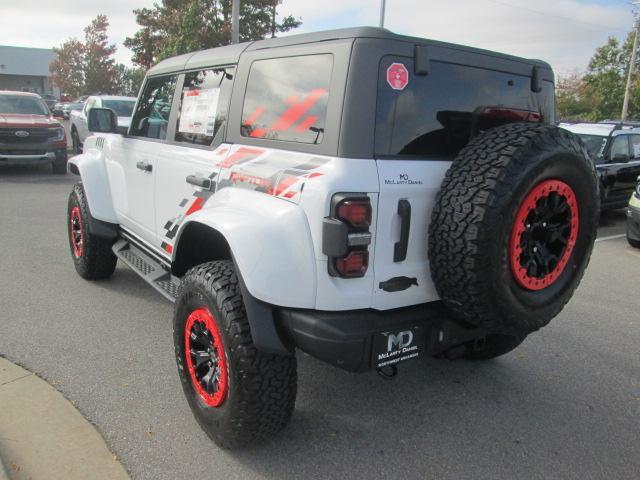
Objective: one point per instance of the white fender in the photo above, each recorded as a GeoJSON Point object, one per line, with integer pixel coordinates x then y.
{"type": "Point", "coordinates": [93, 172]}
{"type": "Point", "coordinates": [270, 242]}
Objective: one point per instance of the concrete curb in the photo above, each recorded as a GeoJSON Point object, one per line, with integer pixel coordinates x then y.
{"type": "Point", "coordinates": [42, 436]}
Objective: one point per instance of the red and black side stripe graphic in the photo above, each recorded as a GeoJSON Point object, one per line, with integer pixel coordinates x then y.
{"type": "Point", "coordinates": [240, 156]}
{"type": "Point", "coordinates": [274, 177]}
{"type": "Point", "coordinates": [192, 205]}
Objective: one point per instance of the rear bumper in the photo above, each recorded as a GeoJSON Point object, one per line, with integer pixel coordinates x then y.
{"type": "Point", "coordinates": [346, 339]}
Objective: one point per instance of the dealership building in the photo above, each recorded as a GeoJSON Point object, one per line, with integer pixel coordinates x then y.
{"type": "Point", "coordinates": [26, 70]}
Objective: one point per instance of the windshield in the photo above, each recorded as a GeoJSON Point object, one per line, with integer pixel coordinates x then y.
{"type": "Point", "coordinates": [22, 105]}
{"type": "Point", "coordinates": [123, 108]}
{"type": "Point", "coordinates": [595, 144]}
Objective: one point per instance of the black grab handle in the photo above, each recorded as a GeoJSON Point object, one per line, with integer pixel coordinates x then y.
{"type": "Point", "coordinates": [144, 166]}
{"type": "Point", "coordinates": [400, 248]}
{"type": "Point", "coordinates": [199, 181]}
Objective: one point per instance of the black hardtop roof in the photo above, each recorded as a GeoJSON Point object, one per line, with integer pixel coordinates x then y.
{"type": "Point", "coordinates": [231, 54]}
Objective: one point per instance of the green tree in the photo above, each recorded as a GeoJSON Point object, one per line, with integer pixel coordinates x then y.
{"type": "Point", "coordinates": [86, 67]}
{"type": "Point", "coordinates": [574, 101]}
{"type": "Point", "coordinates": [606, 79]}
{"type": "Point", "coordinates": [129, 80]}
{"type": "Point", "coordinates": [67, 69]}
{"type": "Point", "coordinates": [174, 27]}
{"type": "Point", "coordinates": [100, 70]}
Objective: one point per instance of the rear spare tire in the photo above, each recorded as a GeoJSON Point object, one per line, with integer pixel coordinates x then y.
{"type": "Point", "coordinates": [513, 227]}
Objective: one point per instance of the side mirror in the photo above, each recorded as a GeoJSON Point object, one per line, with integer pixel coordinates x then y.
{"type": "Point", "coordinates": [620, 158]}
{"type": "Point", "coordinates": [103, 120]}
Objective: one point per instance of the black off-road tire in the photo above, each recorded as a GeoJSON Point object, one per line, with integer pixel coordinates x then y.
{"type": "Point", "coordinates": [261, 391]}
{"type": "Point", "coordinates": [495, 345]}
{"type": "Point", "coordinates": [59, 165]}
{"type": "Point", "coordinates": [75, 142]}
{"type": "Point", "coordinates": [633, 243]}
{"type": "Point", "coordinates": [475, 212]}
{"type": "Point", "coordinates": [96, 259]}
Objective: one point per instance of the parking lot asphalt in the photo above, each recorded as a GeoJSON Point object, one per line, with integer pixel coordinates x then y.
{"type": "Point", "coordinates": [565, 405]}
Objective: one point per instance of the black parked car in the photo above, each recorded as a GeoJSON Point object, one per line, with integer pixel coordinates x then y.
{"type": "Point", "coordinates": [616, 152]}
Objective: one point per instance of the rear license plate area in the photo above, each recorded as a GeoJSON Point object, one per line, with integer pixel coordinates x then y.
{"type": "Point", "coordinates": [393, 347]}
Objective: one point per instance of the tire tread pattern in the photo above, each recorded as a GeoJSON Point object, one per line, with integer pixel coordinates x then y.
{"type": "Point", "coordinates": [98, 261]}
{"type": "Point", "coordinates": [470, 208]}
{"type": "Point", "coordinates": [265, 384]}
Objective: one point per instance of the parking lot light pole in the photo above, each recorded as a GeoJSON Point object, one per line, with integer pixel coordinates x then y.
{"type": "Point", "coordinates": [632, 65]}
{"type": "Point", "coordinates": [235, 21]}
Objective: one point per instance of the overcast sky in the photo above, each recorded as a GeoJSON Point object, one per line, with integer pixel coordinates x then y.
{"type": "Point", "coordinates": [562, 32]}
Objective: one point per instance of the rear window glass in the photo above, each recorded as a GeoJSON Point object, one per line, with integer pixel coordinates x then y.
{"type": "Point", "coordinates": [435, 115]}
{"type": "Point", "coordinates": [287, 99]}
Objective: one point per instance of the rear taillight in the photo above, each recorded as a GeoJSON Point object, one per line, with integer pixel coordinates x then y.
{"type": "Point", "coordinates": [346, 236]}
{"type": "Point", "coordinates": [356, 213]}
{"type": "Point", "coordinates": [353, 265]}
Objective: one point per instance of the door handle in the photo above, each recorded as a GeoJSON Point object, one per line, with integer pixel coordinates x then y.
{"type": "Point", "coordinates": [400, 247]}
{"type": "Point", "coordinates": [199, 181]}
{"type": "Point", "coordinates": [147, 167]}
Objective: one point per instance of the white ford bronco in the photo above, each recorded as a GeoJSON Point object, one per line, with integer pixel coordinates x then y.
{"type": "Point", "coordinates": [364, 197]}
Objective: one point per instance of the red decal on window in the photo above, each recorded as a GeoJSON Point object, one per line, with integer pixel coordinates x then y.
{"type": "Point", "coordinates": [258, 133]}
{"type": "Point", "coordinates": [291, 99]}
{"type": "Point", "coordinates": [314, 175]}
{"type": "Point", "coordinates": [193, 93]}
{"type": "Point", "coordinates": [195, 206]}
{"type": "Point", "coordinates": [290, 194]}
{"type": "Point", "coordinates": [306, 123]}
{"type": "Point", "coordinates": [397, 76]}
{"type": "Point", "coordinates": [297, 110]}
{"type": "Point", "coordinates": [254, 116]}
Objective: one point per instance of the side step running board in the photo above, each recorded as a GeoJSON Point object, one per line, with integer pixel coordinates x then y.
{"type": "Point", "coordinates": [148, 268]}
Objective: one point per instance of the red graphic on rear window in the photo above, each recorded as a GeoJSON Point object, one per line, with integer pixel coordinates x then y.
{"type": "Point", "coordinates": [295, 116]}
{"type": "Point", "coordinates": [397, 76]}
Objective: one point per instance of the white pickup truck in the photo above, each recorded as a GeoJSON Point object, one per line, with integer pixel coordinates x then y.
{"type": "Point", "coordinates": [122, 106]}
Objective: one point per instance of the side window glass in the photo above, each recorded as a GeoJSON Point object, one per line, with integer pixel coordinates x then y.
{"type": "Point", "coordinates": [620, 146]}
{"type": "Point", "coordinates": [204, 105]}
{"type": "Point", "coordinates": [287, 98]}
{"type": "Point", "coordinates": [151, 118]}
{"type": "Point", "coordinates": [635, 147]}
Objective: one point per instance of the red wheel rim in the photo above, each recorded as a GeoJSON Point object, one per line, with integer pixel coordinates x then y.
{"type": "Point", "coordinates": [544, 234]}
{"type": "Point", "coordinates": [77, 232]}
{"type": "Point", "coordinates": [206, 359]}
